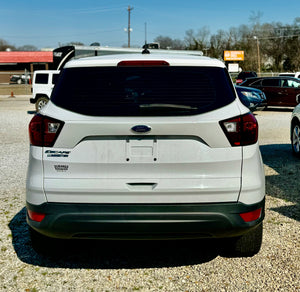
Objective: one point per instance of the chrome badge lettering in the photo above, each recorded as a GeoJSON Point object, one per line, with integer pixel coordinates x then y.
{"type": "Point", "coordinates": [51, 153]}
{"type": "Point", "coordinates": [61, 168]}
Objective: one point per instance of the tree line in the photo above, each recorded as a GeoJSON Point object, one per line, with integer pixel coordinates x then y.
{"type": "Point", "coordinates": [275, 45]}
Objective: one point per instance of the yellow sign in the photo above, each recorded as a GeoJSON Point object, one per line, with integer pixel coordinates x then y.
{"type": "Point", "coordinates": [233, 55]}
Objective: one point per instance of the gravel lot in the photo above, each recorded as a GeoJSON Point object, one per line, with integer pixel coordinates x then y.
{"type": "Point", "coordinates": [150, 266]}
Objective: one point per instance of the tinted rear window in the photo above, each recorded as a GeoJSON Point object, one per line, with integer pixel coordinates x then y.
{"type": "Point", "coordinates": [143, 91]}
{"type": "Point", "coordinates": [271, 82]}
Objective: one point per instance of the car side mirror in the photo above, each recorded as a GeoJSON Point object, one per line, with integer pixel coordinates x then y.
{"type": "Point", "coordinates": [298, 98]}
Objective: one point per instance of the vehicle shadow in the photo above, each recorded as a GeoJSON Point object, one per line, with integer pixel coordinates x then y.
{"type": "Point", "coordinates": [284, 183]}
{"type": "Point", "coordinates": [96, 254]}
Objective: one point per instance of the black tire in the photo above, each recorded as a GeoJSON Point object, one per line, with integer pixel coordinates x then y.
{"type": "Point", "coordinates": [41, 102]}
{"type": "Point", "coordinates": [295, 139]}
{"type": "Point", "coordinates": [246, 245]}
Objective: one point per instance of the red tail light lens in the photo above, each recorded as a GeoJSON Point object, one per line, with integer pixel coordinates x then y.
{"type": "Point", "coordinates": [142, 63]}
{"type": "Point", "coordinates": [43, 131]}
{"type": "Point", "coordinates": [251, 216]}
{"type": "Point", "coordinates": [241, 130]}
{"type": "Point", "coordinates": [38, 217]}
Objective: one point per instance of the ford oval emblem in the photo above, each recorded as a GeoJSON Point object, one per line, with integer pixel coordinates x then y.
{"type": "Point", "coordinates": [141, 129]}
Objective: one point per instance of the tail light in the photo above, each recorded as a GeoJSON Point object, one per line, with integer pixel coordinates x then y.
{"type": "Point", "coordinates": [241, 130]}
{"type": "Point", "coordinates": [251, 216]}
{"type": "Point", "coordinates": [43, 131]}
{"type": "Point", "coordinates": [38, 217]}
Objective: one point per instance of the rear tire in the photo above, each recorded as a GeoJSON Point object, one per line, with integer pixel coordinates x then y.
{"type": "Point", "coordinates": [296, 139]}
{"type": "Point", "coordinates": [246, 245]}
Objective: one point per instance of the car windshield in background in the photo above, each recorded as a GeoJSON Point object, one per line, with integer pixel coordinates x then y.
{"type": "Point", "coordinates": [143, 91]}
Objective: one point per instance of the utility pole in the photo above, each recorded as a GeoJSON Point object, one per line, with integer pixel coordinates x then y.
{"type": "Point", "coordinates": [145, 33]}
{"type": "Point", "coordinates": [129, 29]}
{"type": "Point", "coordinates": [258, 54]}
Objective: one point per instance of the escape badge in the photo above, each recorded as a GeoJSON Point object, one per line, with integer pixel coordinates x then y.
{"type": "Point", "coordinates": [52, 153]}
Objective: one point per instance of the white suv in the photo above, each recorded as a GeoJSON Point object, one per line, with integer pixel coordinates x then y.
{"type": "Point", "coordinates": [145, 146]}
{"type": "Point", "coordinates": [42, 85]}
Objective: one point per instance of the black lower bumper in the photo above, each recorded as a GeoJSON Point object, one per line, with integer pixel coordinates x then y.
{"type": "Point", "coordinates": [143, 221]}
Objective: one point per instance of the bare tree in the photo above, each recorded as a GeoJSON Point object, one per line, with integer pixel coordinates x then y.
{"type": "Point", "coordinates": [197, 40]}
{"type": "Point", "coordinates": [27, 48]}
{"type": "Point", "coordinates": [169, 43]}
{"type": "Point", "coordinates": [4, 45]}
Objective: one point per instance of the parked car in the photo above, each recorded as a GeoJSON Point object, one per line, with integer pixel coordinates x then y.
{"type": "Point", "coordinates": [144, 147]}
{"type": "Point", "coordinates": [252, 98]}
{"type": "Point", "coordinates": [20, 79]}
{"type": "Point", "coordinates": [244, 75]}
{"type": "Point", "coordinates": [290, 74]}
{"type": "Point", "coordinates": [295, 131]}
{"type": "Point", "coordinates": [42, 85]}
{"type": "Point", "coordinates": [279, 91]}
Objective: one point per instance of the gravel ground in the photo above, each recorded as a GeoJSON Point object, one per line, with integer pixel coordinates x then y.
{"type": "Point", "coordinates": [150, 266]}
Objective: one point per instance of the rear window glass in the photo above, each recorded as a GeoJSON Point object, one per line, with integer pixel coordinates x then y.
{"type": "Point", "coordinates": [41, 78]}
{"type": "Point", "coordinates": [143, 91]}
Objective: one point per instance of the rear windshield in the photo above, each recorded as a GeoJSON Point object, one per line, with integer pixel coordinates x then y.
{"type": "Point", "coordinates": [143, 91]}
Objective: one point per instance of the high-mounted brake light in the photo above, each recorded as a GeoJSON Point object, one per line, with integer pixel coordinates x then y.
{"type": "Point", "coordinates": [241, 130]}
{"type": "Point", "coordinates": [143, 63]}
{"type": "Point", "coordinates": [43, 131]}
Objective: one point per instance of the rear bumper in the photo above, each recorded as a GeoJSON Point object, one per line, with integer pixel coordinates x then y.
{"type": "Point", "coordinates": [32, 100]}
{"type": "Point", "coordinates": [143, 221]}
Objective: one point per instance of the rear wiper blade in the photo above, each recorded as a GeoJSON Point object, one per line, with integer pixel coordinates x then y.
{"type": "Point", "coordinates": [168, 105]}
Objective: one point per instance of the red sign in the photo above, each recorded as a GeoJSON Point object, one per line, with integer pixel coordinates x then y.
{"type": "Point", "coordinates": [26, 57]}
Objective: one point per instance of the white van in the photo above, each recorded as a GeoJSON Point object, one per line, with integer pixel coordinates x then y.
{"type": "Point", "coordinates": [42, 85]}
{"type": "Point", "coordinates": [290, 74]}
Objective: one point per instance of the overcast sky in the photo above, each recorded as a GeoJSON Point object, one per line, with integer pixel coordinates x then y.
{"type": "Point", "coordinates": [45, 23]}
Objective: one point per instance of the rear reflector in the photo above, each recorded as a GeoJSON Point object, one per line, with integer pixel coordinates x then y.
{"type": "Point", "coordinates": [38, 217]}
{"type": "Point", "coordinates": [43, 131]}
{"type": "Point", "coordinates": [143, 63]}
{"type": "Point", "coordinates": [241, 130]}
{"type": "Point", "coordinates": [251, 216]}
